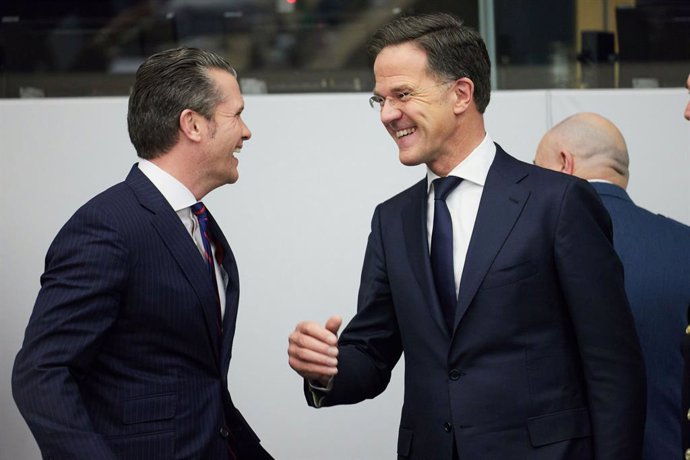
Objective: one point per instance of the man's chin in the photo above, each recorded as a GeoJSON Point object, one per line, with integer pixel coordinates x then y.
{"type": "Point", "coordinates": [408, 160]}
{"type": "Point", "coordinates": [232, 176]}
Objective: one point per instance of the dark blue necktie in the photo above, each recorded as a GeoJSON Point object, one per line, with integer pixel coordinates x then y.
{"type": "Point", "coordinates": [442, 248]}
{"type": "Point", "coordinates": [201, 214]}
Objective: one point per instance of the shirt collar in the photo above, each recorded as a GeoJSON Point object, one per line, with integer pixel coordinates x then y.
{"type": "Point", "coordinates": [475, 167]}
{"type": "Point", "coordinates": [172, 189]}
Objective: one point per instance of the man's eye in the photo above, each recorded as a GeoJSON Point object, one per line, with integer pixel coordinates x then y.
{"type": "Point", "coordinates": [404, 96]}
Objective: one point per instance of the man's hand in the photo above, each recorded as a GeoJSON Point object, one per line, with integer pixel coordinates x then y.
{"type": "Point", "coordinates": [313, 350]}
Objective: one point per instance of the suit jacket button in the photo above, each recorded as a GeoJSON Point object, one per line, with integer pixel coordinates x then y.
{"type": "Point", "coordinates": [687, 454]}
{"type": "Point", "coordinates": [448, 427]}
{"type": "Point", "coordinates": [687, 330]}
{"type": "Point", "coordinates": [224, 432]}
{"type": "Point", "coordinates": [688, 415]}
{"type": "Point", "coordinates": [454, 374]}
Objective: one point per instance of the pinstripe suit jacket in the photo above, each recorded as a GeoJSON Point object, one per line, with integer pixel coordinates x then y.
{"type": "Point", "coordinates": [121, 357]}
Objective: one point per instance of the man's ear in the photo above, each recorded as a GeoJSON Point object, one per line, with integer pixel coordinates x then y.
{"type": "Point", "coordinates": [190, 125]}
{"type": "Point", "coordinates": [463, 88]}
{"type": "Point", "coordinates": [567, 162]}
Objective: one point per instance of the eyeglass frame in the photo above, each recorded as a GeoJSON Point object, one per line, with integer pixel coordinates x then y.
{"type": "Point", "coordinates": [402, 96]}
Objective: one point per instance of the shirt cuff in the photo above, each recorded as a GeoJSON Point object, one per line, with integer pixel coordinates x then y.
{"type": "Point", "coordinates": [318, 392]}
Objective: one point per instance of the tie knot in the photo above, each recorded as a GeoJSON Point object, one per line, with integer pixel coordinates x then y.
{"type": "Point", "coordinates": [199, 209]}
{"type": "Point", "coordinates": [444, 185]}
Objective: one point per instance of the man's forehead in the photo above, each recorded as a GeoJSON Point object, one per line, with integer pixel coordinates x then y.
{"type": "Point", "coordinates": [399, 83]}
{"type": "Point", "coordinates": [402, 77]}
{"type": "Point", "coordinates": [231, 103]}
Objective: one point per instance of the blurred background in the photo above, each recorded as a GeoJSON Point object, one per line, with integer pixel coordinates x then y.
{"type": "Point", "coordinates": [62, 48]}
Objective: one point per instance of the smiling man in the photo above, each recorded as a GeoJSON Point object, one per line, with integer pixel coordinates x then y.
{"type": "Point", "coordinates": [127, 351]}
{"type": "Point", "coordinates": [497, 279]}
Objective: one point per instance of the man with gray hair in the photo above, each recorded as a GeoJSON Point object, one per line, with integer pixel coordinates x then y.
{"type": "Point", "coordinates": [655, 252]}
{"type": "Point", "coordinates": [127, 351]}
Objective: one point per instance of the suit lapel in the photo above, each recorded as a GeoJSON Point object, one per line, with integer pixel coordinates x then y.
{"type": "Point", "coordinates": [501, 204]}
{"type": "Point", "coordinates": [417, 244]}
{"type": "Point", "coordinates": [176, 238]}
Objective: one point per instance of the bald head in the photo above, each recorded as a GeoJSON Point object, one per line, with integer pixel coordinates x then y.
{"type": "Point", "coordinates": [586, 145]}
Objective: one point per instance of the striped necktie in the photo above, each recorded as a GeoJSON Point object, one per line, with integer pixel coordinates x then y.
{"type": "Point", "coordinates": [201, 214]}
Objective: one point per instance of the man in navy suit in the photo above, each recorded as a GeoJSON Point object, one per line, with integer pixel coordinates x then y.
{"type": "Point", "coordinates": [536, 356]}
{"type": "Point", "coordinates": [127, 350]}
{"type": "Point", "coordinates": [655, 252]}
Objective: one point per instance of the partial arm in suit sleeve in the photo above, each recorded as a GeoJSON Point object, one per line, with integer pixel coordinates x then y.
{"type": "Point", "coordinates": [591, 277]}
{"type": "Point", "coordinates": [370, 346]}
{"type": "Point", "coordinates": [86, 268]}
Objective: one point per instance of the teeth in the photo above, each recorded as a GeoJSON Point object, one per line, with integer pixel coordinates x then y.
{"type": "Point", "coordinates": [404, 132]}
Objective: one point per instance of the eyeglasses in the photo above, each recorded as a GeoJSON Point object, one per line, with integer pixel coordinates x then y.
{"type": "Point", "coordinates": [398, 98]}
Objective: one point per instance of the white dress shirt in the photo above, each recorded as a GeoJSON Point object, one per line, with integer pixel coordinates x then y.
{"type": "Point", "coordinates": [463, 201]}
{"type": "Point", "coordinates": [181, 199]}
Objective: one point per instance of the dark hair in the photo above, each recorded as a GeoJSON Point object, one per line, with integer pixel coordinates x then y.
{"type": "Point", "coordinates": [166, 84]}
{"type": "Point", "coordinates": [453, 50]}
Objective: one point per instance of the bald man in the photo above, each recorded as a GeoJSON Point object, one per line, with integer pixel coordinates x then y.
{"type": "Point", "coordinates": [655, 252]}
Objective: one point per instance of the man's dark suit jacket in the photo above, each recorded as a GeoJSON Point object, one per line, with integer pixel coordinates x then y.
{"type": "Point", "coordinates": [655, 252]}
{"type": "Point", "coordinates": [543, 362]}
{"type": "Point", "coordinates": [121, 357]}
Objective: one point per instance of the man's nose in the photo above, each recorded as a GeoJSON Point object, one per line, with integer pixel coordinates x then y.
{"type": "Point", "coordinates": [389, 112]}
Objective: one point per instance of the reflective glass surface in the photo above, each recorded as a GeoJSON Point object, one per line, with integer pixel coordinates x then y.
{"type": "Point", "coordinates": [61, 48]}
